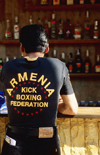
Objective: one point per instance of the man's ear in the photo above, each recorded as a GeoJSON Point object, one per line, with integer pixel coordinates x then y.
{"type": "Point", "coordinates": [47, 49]}
{"type": "Point", "coordinates": [22, 48]}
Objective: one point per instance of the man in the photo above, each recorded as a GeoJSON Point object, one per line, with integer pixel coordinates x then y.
{"type": "Point", "coordinates": [32, 86]}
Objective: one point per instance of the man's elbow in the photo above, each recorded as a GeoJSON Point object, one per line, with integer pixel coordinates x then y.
{"type": "Point", "coordinates": [74, 111]}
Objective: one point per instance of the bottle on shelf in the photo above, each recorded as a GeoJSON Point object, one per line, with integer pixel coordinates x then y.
{"type": "Point", "coordinates": [78, 62]}
{"type": "Point", "coordinates": [92, 1]}
{"type": "Point", "coordinates": [49, 28]}
{"type": "Point", "coordinates": [50, 2]}
{"type": "Point", "coordinates": [87, 26]}
{"type": "Point", "coordinates": [16, 28]}
{"type": "Point", "coordinates": [63, 2]}
{"type": "Point", "coordinates": [92, 104]}
{"type": "Point", "coordinates": [60, 30]}
{"type": "Point", "coordinates": [8, 33]}
{"type": "Point", "coordinates": [87, 1]}
{"type": "Point", "coordinates": [97, 65]}
{"type": "Point", "coordinates": [70, 64]}
{"type": "Point", "coordinates": [84, 104]}
{"type": "Point", "coordinates": [98, 1]}
{"type": "Point", "coordinates": [53, 27]}
{"type": "Point", "coordinates": [77, 31]}
{"type": "Point", "coordinates": [76, 1]}
{"type": "Point", "coordinates": [1, 64]}
{"type": "Point", "coordinates": [7, 58]}
{"type": "Point", "coordinates": [96, 30]}
{"type": "Point", "coordinates": [79, 103]}
{"type": "Point", "coordinates": [14, 57]}
{"type": "Point", "coordinates": [63, 58]}
{"type": "Point", "coordinates": [70, 2]}
{"type": "Point", "coordinates": [81, 1]}
{"type": "Point", "coordinates": [68, 30]}
{"type": "Point", "coordinates": [46, 25]}
{"type": "Point", "coordinates": [95, 103]}
{"type": "Point", "coordinates": [44, 2]}
{"type": "Point", "coordinates": [30, 19]}
{"type": "Point", "coordinates": [54, 53]}
{"type": "Point", "coordinates": [39, 21]}
{"type": "Point", "coordinates": [22, 55]}
{"type": "Point", "coordinates": [87, 63]}
{"type": "Point", "coordinates": [56, 2]}
{"type": "Point", "coordinates": [98, 103]}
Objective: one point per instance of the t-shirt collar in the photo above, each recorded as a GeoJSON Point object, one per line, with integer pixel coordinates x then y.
{"type": "Point", "coordinates": [29, 59]}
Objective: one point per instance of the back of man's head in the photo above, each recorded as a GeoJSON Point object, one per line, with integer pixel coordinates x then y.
{"type": "Point", "coordinates": [34, 38]}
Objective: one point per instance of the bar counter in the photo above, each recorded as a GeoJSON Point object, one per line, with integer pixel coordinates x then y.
{"type": "Point", "coordinates": [79, 134]}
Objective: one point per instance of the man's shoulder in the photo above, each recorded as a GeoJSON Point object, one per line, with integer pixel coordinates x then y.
{"type": "Point", "coordinates": [55, 60]}
{"type": "Point", "coordinates": [11, 63]}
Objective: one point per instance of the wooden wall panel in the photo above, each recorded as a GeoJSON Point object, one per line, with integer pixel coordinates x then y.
{"type": "Point", "coordinates": [91, 136]}
{"type": "Point", "coordinates": [99, 136]}
{"type": "Point", "coordinates": [64, 134]}
{"type": "Point", "coordinates": [15, 9]}
{"type": "Point", "coordinates": [77, 137]}
{"type": "Point", "coordinates": [2, 10]}
{"type": "Point", "coordinates": [21, 5]}
{"type": "Point", "coordinates": [8, 6]}
{"type": "Point", "coordinates": [2, 131]}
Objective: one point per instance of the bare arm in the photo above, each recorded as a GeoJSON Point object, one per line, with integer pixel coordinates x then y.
{"type": "Point", "coordinates": [68, 104]}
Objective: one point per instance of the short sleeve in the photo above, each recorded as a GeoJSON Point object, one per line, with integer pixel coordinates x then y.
{"type": "Point", "coordinates": [66, 87]}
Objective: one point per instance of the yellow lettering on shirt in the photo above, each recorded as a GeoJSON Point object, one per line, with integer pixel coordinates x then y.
{"type": "Point", "coordinates": [17, 97]}
{"type": "Point", "coordinates": [50, 91]}
{"type": "Point", "coordinates": [22, 97]}
{"type": "Point", "coordinates": [18, 104]}
{"type": "Point", "coordinates": [22, 78]}
{"type": "Point", "coordinates": [45, 104]}
{"type": "Point", "coordinates": [28, 90]}
{"type": "Point", "coordinates": [33, 76]}
{"type": "Point", "coordinates": [43, 81]}
{"type": "Point", "coordinates": [9, 91]}
{"type": "Point", "coordinates": [23, 89]}
{"type": "Point", "coordinates": [47, 85]}
{"type": "Point", "coordinates": [13, 82]}
{"type": "Point", "coordinates": [29, 104]}
{"type": "Point", "coordinates": [28, 97]}
{"type": "Point", "coordinates": [13, 103]}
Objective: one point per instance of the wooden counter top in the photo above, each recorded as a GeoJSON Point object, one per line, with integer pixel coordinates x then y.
{"type": "Point", "coordinates": [83, 112]}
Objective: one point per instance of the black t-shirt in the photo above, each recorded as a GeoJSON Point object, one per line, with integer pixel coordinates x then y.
{"type": "Point", "coordinates": [32, 88]}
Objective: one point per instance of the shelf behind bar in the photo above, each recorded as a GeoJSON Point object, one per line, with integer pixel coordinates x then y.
{"type": "Point", "coordinates": [9, 42]}
{"type": "Point", "coordinates": [83, 112]}
{"type": "Point", "coordinates": [62, 7]}
{"type": "Point", "coordinates": [60, 42]}
{"type": "Point", "coordinates": [90, 75]}
{"type": "Point", "coordinates": [73, 41]}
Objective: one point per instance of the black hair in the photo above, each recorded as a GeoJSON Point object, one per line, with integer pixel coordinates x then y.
{"type": "Point", "coordinates": [34, 38]}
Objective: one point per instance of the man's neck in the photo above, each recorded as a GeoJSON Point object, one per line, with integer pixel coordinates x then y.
{"type": "Point", "coordinates": [34, 54]}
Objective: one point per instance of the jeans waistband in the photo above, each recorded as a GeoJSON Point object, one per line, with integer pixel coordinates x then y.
{"type": "Point", "coordinates": [34, 131]}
